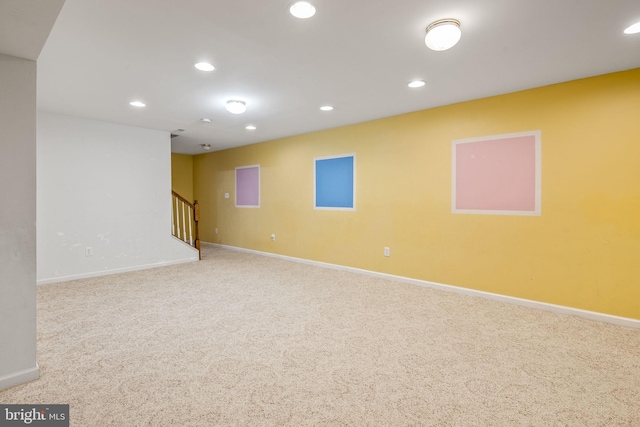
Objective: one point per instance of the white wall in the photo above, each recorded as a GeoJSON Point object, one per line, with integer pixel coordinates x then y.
{"type": "Point", "coordinates": [17, 221]}
{"type": "Point", "coordinates": [104, 186]}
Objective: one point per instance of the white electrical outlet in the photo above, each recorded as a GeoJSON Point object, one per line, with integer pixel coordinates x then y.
{"type": "Point", "coordinates": [387, 251]}
{"type": "Point", "coordinates": [216, 230]}
{"type": "Point", "coordinates": [226, 195]}
{"type": "Point", "coordinates": [273, 237]}
{"type": "Point", "coordinates": [88, 251]}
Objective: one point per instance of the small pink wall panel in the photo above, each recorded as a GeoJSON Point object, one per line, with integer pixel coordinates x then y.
{"type": "Point", "coordinates": [497, 174]}
{"type": "Point", "coordinates": [248, 186]}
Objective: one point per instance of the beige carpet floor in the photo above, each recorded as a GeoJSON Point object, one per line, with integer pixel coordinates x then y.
{"type": "Point", "coordinates": [247, 340]}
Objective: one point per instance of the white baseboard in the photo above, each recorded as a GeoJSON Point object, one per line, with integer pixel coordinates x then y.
{"type": "Point", "coordinates": [114, 271]}
{"type": "Point", "coordinates": [19, 377]}
{"type": "Point", "coordinates": [558, 309]}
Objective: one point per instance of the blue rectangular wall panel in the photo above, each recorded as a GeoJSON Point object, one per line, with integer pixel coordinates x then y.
{"type": "Point", "coordinates": [334, 182]}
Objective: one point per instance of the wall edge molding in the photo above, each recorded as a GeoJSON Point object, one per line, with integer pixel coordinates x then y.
{"type": "Point", "coordinates": [553, 308]}
{"type": "Point", "coordinates": [19, 377]}
{"type": "Point", "coordinates": [113, 271]}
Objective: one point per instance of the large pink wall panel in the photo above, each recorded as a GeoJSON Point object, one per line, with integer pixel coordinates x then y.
{"type": "Point", "coordinates": [497, 175]}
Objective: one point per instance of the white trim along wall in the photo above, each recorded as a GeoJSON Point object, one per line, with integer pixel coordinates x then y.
{"type": "Point", "coordinates": [558, 309]}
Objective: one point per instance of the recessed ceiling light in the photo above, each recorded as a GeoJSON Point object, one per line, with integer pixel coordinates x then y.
{"type": "Point", "coordinates": [138, 104]}
{"type": "Point", "coordinates": [443, 34]}
{"type": "Point", "coordinates": [250, 127]}
{"type": "Point", "coordinates": [416, 83]}
{"type": "Point", "coordinates": [326, 108]}
{"type": "Point", "coordinates": [204, 66]}
{"type": "Point", "coordinates": [236, 107]}
{"type": "Point", "coordinates": [634, 29]}
{"type": "Point", "coordinates": [302, 9]}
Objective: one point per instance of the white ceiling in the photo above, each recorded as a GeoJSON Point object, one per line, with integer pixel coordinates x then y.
{"type": "Point", "coordinates": [25, 26]}
{"type": "Point", "coordinates": [356, 55]}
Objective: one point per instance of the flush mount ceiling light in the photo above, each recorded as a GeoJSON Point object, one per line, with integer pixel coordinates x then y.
{"type": "Point", "coordinates": [206, 147]}
{"type": "Point", "coordinates": [416, 83]}
{"type": "Point", "coordinates": [250, 127]}
{"type": "Point", "coordinates": [138, 104]}
{"type": "Point", "coordinates": [236, 107]}
{"type": "Point", "coordinates": [205, 120]}
{"type": "Point", "coordinates": [633, 29]}
{"type": "Point", "coordinates": [204, 66]}
{"type": "Point", "coordinates": [302, 9]}
{"type": "Point", "coordinates": [443, 34]}
{"type": "Point", "coordinates": [326, 108]}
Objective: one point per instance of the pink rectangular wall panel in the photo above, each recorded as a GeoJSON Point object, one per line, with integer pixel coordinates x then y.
{"type": "Point", "coordinates": [248, 186]}
{"type": "Point", "coordinates": [496, 174]}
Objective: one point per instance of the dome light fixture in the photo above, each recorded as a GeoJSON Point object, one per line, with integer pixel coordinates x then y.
{"type": "Point", "coordinates": [633, 29]}
{"type": "Point", "coordinates": [205, 120]}
{"type": "Point", "coordinates": [206, 147]}
{"type": "Point", "coordinates": [443, 34]}
{"type": "Point", "coordinates": [204, 66]}
{"type": "Point", "coordinates": [236, 107]}
{"type": "Point", "coordinates": [250, 127]}
{"type": "Point", "coordinates": [326, 108]}
{"type": "Point", "coordinates": [137, 104]}
{"type": "Point", "coordinates": [416, 83]}
{"type": "Point", "coordinates": [302, 9]}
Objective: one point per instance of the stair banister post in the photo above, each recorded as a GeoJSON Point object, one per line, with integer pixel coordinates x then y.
{"type": "Point", "coordinates": [196, 218]}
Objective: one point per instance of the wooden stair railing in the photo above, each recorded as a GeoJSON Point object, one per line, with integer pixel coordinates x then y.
{"type": "Point", "coordinates": [184, 220]}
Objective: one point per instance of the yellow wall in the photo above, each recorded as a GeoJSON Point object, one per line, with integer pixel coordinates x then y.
{"type": "Point", "coordinates": [582, 252]}
{"type": "Point", "coordinates": [182, 175]}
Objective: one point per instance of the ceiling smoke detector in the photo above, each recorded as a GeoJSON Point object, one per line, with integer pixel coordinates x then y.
{"type": "Point", "coordinates": [176, 132]}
